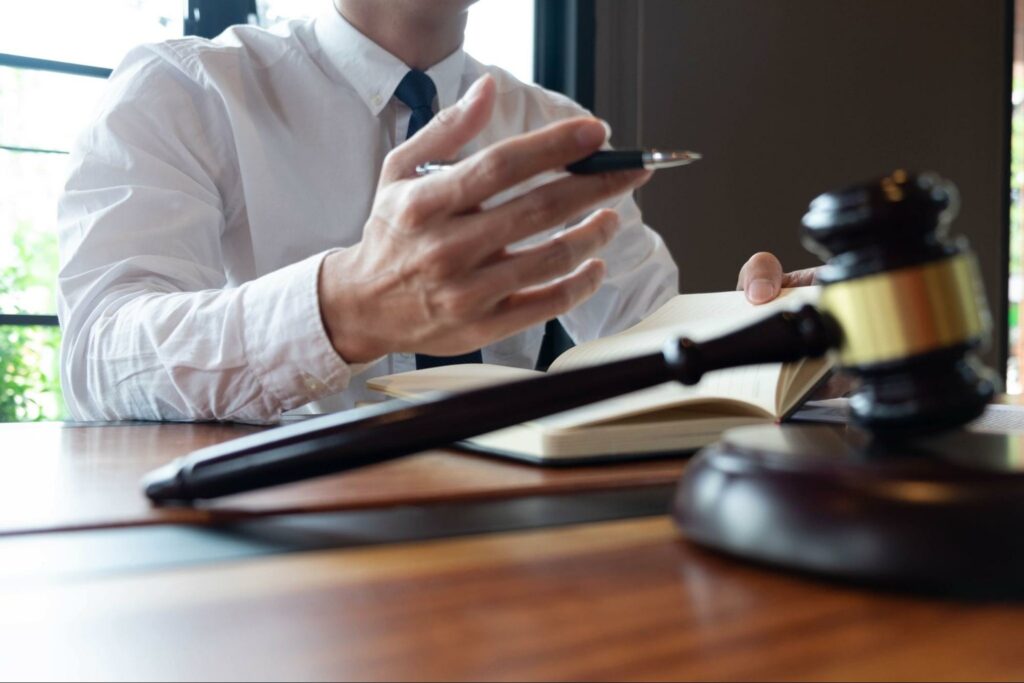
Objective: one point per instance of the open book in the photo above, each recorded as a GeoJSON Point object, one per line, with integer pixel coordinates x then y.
{"type": "Point", "coordinates": [666, 418]}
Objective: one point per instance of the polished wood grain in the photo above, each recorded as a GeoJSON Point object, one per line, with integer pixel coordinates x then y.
{"type": "Point", "coordinates": [56, 476]}
{"type": "Point", "coordinates": [618, 600]}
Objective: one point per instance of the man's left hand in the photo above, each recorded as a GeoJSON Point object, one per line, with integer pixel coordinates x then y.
{"type": "Point", "coordinates": [762, 278]}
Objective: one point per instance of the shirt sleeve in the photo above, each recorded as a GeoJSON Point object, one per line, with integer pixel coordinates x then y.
{"type": "Point", "coordinates": [151, 329]}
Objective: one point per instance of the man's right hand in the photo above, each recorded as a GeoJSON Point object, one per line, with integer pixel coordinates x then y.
{"type": "Point", "coordinates": [434, 273]}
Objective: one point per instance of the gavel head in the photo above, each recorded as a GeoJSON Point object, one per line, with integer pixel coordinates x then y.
{"type": "Point", "coordinates": [908, 300]}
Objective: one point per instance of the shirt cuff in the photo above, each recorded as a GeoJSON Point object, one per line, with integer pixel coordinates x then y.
{"type": "Point", "coordinates": [286, 343]}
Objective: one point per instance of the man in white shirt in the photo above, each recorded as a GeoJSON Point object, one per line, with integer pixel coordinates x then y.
{"type": "Point", "coordinates": [242, 232]}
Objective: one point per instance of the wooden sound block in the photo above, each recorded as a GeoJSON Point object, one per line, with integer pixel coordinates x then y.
{"type": "Point", "coordinates": [942, 513]}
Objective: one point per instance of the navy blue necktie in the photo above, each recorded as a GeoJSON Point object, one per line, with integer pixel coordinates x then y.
{"type": "Point", "coordinates": [417, 91]}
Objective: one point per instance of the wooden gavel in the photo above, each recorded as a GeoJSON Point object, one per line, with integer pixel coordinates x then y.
{"type": "Point", "coordinates": [906, 300]}
{"type": "Point", "coordinates": [901, 306]}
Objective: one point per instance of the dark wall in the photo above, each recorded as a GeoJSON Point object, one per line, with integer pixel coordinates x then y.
{"type": "Point", "coordinates": [789, 98]}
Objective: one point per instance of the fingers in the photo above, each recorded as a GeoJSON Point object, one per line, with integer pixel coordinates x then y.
{"type": "Point", "coordinates": [800, 278]}
{"type": "Point", "coordinates": [543, 208]}
{"type": "Point", "coordinates": [760, 278]}
{"type": "Point", "coordinates": [506, 164]}
{"type": "Point", "coordinates": [449, 131]}
{"type": "Point", "coordinates": [546, 261]}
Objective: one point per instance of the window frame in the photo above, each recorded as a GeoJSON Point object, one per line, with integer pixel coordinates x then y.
{"type": "Point", "coordinates": [563, 48]}
{"type": "Point", "coordinates": [564, 36]}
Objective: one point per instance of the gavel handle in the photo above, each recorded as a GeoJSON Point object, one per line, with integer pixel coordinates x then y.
{"type": "Point", "coordinates": [342, 441]}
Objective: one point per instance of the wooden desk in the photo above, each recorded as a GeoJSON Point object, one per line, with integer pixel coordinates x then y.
{"type": "Point", "coordinates": [63, 476]}
{"type": "Point", "coordinates": [611, 600]}
{"type": "Point", "coordinates": [618, 600]}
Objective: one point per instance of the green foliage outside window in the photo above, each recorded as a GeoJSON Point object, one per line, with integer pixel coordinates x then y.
{"type": "Point", "coordinates": [33, 115]}
{"type": "Point", "coordinates": [29, 356]}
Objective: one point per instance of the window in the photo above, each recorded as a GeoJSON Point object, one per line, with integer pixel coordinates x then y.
{"type": "Point", "coordinates": [46, 65]}
{"type": "Point", "coordinates": [36, 130]}
{"type": "Point", "coordinates": [498, 32]}
{"type": "Point", "coordinates": [501, 32]}
{"type": "Point", "coordinates": [51, 76]}
{"type": "Point", "coordinates": [93, 32]}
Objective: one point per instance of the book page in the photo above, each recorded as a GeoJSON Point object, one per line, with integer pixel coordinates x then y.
{"type": "Point", "coordinates": [645, 402]}
{"type": "Point", "coordinates": [699, 317]}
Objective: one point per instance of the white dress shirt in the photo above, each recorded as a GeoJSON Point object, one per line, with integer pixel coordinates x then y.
{"type": "Point", "coordinates": [203, 199]}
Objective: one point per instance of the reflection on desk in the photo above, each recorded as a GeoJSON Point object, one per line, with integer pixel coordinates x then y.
{"type": "Point", "coordinates": [65, 476]}
{"type": "Point", "coordinates": [615, 600]}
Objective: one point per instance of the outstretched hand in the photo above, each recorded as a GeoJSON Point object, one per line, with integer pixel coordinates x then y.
{"type": "Point", "coordinates": [434, 273]}
{"type": "Point", "coordinates": [762, 278]}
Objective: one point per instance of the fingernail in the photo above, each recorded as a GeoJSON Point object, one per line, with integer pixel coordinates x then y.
{"type": "Point", "coordinates": [473, 93]}
{"type": "Point", "coordinates": [607, 130]}
{"type": "Point", "coordinates": [761, 290]}
{"type": "Point", "coordinates": [590, 135]}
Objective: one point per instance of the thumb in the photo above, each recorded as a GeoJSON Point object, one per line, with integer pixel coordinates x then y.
{"type": "Point", "coordinates": [450, 130]}
{"type": "Point", "coordinates": [761, 278]}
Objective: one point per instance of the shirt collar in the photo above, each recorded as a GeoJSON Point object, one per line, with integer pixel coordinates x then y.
{"type": "Point", "coordinates": [374, 72]}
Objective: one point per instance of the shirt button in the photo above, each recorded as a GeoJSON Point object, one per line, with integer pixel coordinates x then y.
{"type": "Point", "coordinates": [376, 100]}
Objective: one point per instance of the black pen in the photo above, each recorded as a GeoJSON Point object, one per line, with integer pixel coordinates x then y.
{"type": "Point", "coordinates": [602, 162]}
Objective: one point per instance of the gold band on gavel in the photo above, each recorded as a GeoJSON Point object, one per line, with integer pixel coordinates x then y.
{"type": "Point", "coordinates": [895, 314]}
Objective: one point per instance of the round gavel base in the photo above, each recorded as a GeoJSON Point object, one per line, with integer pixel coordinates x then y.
{"type": "Point", "coordinates": [939, 514]}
